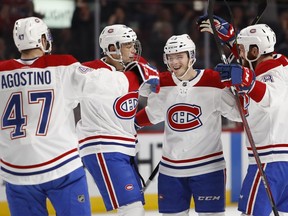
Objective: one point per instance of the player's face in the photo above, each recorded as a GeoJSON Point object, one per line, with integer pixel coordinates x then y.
{"type": "Point", "coordinates": [242, 55]}
{"type": "Point", "coordinates": [178, 63]}
{"type": "Point", "coordinates": [251, 55]}
{"type": "Point", "coordinates": [128, 52]}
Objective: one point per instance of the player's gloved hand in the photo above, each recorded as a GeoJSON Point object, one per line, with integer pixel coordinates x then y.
{"type": "Point", "coordinates": [224, 29]}
{"type": "Point", "coordinates": [148, 76]}
{"type": "Point", "coordinates": [236, 75]}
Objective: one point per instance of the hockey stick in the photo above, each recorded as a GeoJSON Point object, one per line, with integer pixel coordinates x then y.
{"type": "Point", "coordinates": [262, 4]}
{"type": "Point", "coordinates": [261, 8]}
{"type": "Point", "coordinates": [151, 177]}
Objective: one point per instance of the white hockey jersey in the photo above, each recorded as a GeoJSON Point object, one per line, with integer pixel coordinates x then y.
{"type": "Point", "coordinates": [107, 112]}
{"type": "Point", "coordinates": [38, 141]}
{"type": "Point", "coordinates": [192, 113]}
{"type": "Point", "coordinates": [268, 115]}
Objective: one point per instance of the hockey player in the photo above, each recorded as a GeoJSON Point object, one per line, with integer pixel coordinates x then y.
{"type": "Point", "coordinates": [107, 136]}
{"type": "Point", "coordinates": [267, 91]}
{"type": "Point", "coordinates": [190, 102]}
{"type": "Point", "coordinates": [38, 143]}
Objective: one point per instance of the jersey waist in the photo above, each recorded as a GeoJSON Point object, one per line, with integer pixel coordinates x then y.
{"type": "Point", "coordinates": [107, 143]}
{"type": "Point", "coordinates": [192, 166]}
{"type": "Point", "coordinates": [41, 172]}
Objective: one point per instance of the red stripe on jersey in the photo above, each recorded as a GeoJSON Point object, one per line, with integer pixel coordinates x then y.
{"type": "Point", "coordinates": [106, 137]}
{"type": "Point", "coordinates": [254, 190]}
{"type": "Point", "coordinates": [194, 159]}
{"type": "Point", "coordinates": [41, 164]}
{"type": "Point", "coordinates": [107, 180]}
{"type": "Point", "coordinates": [269, 146]}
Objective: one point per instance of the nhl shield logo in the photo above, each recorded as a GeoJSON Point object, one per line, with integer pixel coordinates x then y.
{"type": "Point", "coordinates": [81, 198]}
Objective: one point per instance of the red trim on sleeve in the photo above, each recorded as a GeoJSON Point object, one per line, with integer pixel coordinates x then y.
{"type": "Point", "coordinates": [258, 91]}
{"type": "Point", "coordinates": [142, 118]}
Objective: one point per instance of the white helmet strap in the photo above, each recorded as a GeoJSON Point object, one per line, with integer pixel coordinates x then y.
{"type": "Point", "coordinates": [116, 52]}
{"type": "Point", "coordinates": [190, 65]}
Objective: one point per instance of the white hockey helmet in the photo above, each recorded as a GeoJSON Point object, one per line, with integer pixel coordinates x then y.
{"type": "Point", "coordinates": [180, 43]}
{"type": "Point", "coordinates": [260, 35]}
{"type": "Point", "coordinates": [28, 32]}
{"type": "Point", "coordinates": [117, 35]}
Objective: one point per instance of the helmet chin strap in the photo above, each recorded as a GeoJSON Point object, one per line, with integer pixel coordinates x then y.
{"type": "Point", "coordinates": [120, 60]}
{"type": "Point", "coordinates": [191, 63]}
{"type": "Point", "coordinates": [251, 61]}
{"type": "Point", "coordinates": [48, 47]}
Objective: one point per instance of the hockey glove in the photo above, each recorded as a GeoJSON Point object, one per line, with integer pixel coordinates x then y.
{"type": "Point", "coordinates": [148, 76]}
{"type": "Point", "coordinates": [224, 29]}
{"type": "Point", "coordinates": [236, 75]}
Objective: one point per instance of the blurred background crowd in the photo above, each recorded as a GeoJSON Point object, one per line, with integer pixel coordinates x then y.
{"type": "Point", "coordinates": [154, 21]}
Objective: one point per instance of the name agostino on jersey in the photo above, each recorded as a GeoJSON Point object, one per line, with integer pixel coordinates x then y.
{"type": "Point", "coordinates": [17, 79]}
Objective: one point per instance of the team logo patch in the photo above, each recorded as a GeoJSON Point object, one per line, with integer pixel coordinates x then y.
{"type": "Point", "coordinates": [125, 107]}
{"type": "Point", "coordinates": [129, 187]}
{"type": "Point", "coordinates": [84, 69]}
{"type": "Point", "coordinates": [184, 117]}
{"type": "Point", "coordinates": [268, 78]}
{"type": "Point", "coordinates": [81, 198]}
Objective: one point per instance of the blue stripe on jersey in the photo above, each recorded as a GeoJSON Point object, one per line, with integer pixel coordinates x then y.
{"type": "Point", "coordinates": [192, 166]}
{"type": "Point", "coordinates": [40, 171]}
{"type": "Point", "coordinates": [107, 143]}
{"type": "Point", "coordinates": [270, 152]}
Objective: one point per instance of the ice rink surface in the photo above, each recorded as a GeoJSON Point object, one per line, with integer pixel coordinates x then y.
{"type": "Point", "coordinates": [230, 211]}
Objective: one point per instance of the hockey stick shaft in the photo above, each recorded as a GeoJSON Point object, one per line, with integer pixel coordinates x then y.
{"type": "Point", "coordinates": [151, 177]}
{"type": "Point", "coordinates": [262, 5]}
{"type": "Point", "coordinates": [261, 8]}
{"type": "Point", "coordinates": [236, 95]}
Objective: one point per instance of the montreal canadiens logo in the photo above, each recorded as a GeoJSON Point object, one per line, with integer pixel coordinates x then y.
{"type": "Point", "coordinates": [129, 187]}
{"type": "Point", "coordinates": [184, 117]}
{"type": "Point", "coordinates": [125, 107]}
